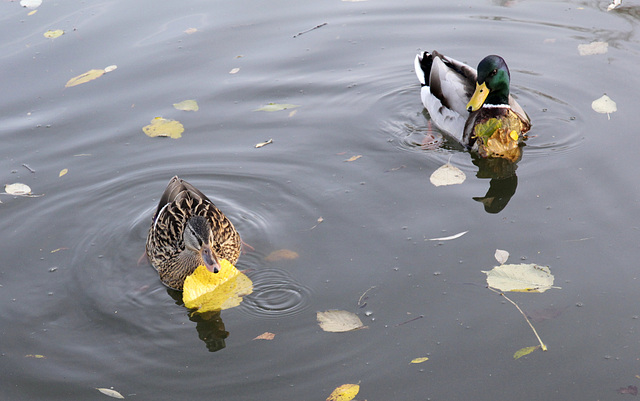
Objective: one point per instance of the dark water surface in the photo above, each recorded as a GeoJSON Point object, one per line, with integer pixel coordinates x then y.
{"type": "Point", "coordinates": [71, 286]}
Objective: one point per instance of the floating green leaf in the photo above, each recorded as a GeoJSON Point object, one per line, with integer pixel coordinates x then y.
{"type": "Point", "coordinates": [277, 107]}
{"type": "Point", "coordinates": [162, 127]}
{"type": "Point", "coordinates": [525, 351]}
{"type": "Point", "coordinates": [338, 321]}
{"type": "Point", "coordinates": [187, 105]}
{"type": "Point", "coordinates": [487, 129]}
{"type": "Point", "coordinates": [54, 34]}
{"type": "Point", "coordinates": [520, 278]}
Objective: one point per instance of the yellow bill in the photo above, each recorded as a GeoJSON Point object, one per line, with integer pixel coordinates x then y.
{"type": "Point", "coordinates": [478, 98]}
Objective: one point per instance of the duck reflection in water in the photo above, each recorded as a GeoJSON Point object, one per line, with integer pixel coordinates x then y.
{"type": "Point", "coordinates": [209, 325]}
{"type": "Point", "coordinates": [502, 186]}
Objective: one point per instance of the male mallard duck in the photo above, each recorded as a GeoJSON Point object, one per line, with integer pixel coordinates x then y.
{"type": "Point", "coordinates": [474, 107]}
{"type": "Point", "coordinates": [188, 230]}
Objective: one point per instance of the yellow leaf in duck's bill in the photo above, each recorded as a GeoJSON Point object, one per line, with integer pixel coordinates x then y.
{"type": "Point", "coordinates": [346, 392]}
{"type": "Point", "coordinates": [187, 105]}
{"type": "Point", "coordinates": [162, 127]}
{"type": "Point", "coordinates": [206, 291]}
{"type": "Point", "coordinates": [54, 34]}
{"type": "Point", "coordinates": [84, 78]}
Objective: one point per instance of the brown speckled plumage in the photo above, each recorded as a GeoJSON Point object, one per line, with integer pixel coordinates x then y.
{"type": "Point", "coordinates": [165, 242]}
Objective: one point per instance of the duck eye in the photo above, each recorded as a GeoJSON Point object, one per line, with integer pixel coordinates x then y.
{"type": "Point", "coordinates": [494, 72]}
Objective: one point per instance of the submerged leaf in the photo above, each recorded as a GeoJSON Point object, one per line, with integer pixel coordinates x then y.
{"type": "Point", "coordinates": [593, 48]}
{"type": "Point", "coordinates": [338, 321]}
{"type": "Point", "coordinates": [277, 107]}
{"type": "Point", "coordinates": [163, 127]}
{"type": "Point", "coordinates": [206, 291]}
{"type": "Point", "coordinates": [54, 34]}
{"type": "Point", "coordinates": [501, 256]}
{"type": "Point", "coordinates": [17, 189]}
{"type": "Point", "coordinates": [520, 278]}
{"type": "Point", "coordinates": [633, 390]}
{"type": "Point", "coordinates": [420, 360]}
{"type": "Point", "coordinates": [525, 351]}
{"type": "Point", "coordinates": [447, 175]}
{"type": "Point", "coordinates": [110, 392]}
{"type": "Point", "coordinates": [187, 105]}
{"type": "Point", "coordinates": [281, 254]}
{"type": "Point", "coordinates": [604, 105]}
{"type": "Point", "coordinates": [346, 392]}
{"type": "Point", "coordinates": [84, 78]}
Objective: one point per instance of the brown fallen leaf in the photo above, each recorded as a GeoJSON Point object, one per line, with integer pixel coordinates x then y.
{"type": "Point", "coordinates": [281, 254]}
{"type": "Point", "coordinates": [265, 336]}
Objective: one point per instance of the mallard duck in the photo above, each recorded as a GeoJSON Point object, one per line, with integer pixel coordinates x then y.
{"type": "Point", "coordinates": [473, 107]}
{"type": "Point", "coordinates": [187, 231]}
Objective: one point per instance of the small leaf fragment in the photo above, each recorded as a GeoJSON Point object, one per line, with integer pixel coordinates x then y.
{"type": "Point", "coordinates": [17, 189]}
{"type": "Point", "coordinates": [458, 235]}
{"type": "Point", "coordinates": [501, 256]}
{"type": "Point", "coordinates": [525, 351]}
{"type": "Point", "coordinates": [281, 254]}
{"type": "Point", "coordinates": [84, 78]}
{"type": "Point", "coordinates": [187, 105]}
{"type": "Point", "coordinates": [265, 143]}
{"type": "Point", "coordinates": [614, 4]}
{"type": "Point", "coordinates": [339, 321]}
{"type": "Point", "coordinates": [110, 392]}
{"type": "Point", "coordinates": [593, 48]}
{"type": "Point", "coordinates": [110, 68]}
{"type": "Point", "coordinates": [604, 105]}
{"type": "Point", "coordinates": [420, 360]}
{"type": "Point", "coordinates": [346, 392]}
{"type": "Point", "coordinates": [163, 127]}
{"type": "Point", "coordinates": [63, 172]}
{"type": "Point", "coordinates": [447, 175]}
{"type": "Point", "coordinates": [53, 34]}
{"type": "Point", "coordinates": [265, 336]}
{"type": "Point", "coordinates": [37, 356]}
{"type": "Point", "coordinates": [277, 107]}
{"type": "Point", "coordinates": [190, 31]}
{"type": "Point", "coordinates": [234, 71]}
{"type": "Point", "coordinates": [30, 3]}
{"type": "Point", "coordinates": [353, 158]}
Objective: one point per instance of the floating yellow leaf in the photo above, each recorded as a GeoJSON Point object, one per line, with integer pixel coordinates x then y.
{"type": "Point", "coordinates": [265, 336]}
{"type": "Point", "coordinates": [162, 127]}
{"type": "Point", "coordinates": [110, 392]}
{"type": "Point", "coordinates": [32, 12]}
{"type": "Point", "coordinates": [265, 143]}
{"type": "Point", "coordinates": [84, 78]}
{"type": "Point", "coordinates": [346, 392]}
{"type": "Point", "coordinates": [37, 356]}
{"type": "Point", "coordinates": [63, 172]}
{"type": "Point", "coordinates": [277, 107]}
{"type": "Point", "coordinates": [281, 254]}
{"type": "Point", "coordinates": [54, 34]}
{"type": "Point", "coordinates": [419, 360]}
{"type": "Point", "coordinates": [447, 175]}
{"type": "Point", "coordinates": [525, 351]}
{"type": "Point", "coordinates": [520, 278]}
{"type": "Point", "coordinates": [206, 291]}
{"type": "Point", "coordinates": [338, 321]}
{"type": "Point", "coordinates": [17, 189]}
{"type": "Point", "coordinates": [187, 105]}
{"type": "Point", "coordinates": [353, 158]}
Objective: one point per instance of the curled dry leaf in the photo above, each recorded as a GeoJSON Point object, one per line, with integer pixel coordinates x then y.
{"type": "Point", "coordinates": [338, 321]}
{"type": "Point", "coordinates": [346, 392]}
{"type": "Point", "coordinates": [110, 392]}
{"type": "Point", "coordinates": [281, 254]}
{"type": "Point", "coordinates": [447, 175]}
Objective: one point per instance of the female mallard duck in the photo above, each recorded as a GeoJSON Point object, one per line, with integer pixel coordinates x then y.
{"type": "Point", "coordinates": [188, 230]}
{"type": "Point", "coordinates": [474, 107]}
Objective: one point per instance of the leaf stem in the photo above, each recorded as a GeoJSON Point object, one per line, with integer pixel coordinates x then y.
{"type": "Point", "coordinates": [542, 345]}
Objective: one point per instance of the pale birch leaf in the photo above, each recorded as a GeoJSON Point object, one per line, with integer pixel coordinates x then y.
{"type": "Point", "coordinates": [338, 321]}
{"type": "Point", "coordinates": [501, 256]}
{"type": "Point", "coordinates": [520, 278]}
{"type": "Point", "coordinates": [110, 392]}
{"type": "Point", "coordinates": [447, 175]}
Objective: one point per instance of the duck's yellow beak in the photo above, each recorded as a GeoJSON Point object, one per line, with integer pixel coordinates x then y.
{"type": "Point", "coordinates": [478, 98]}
